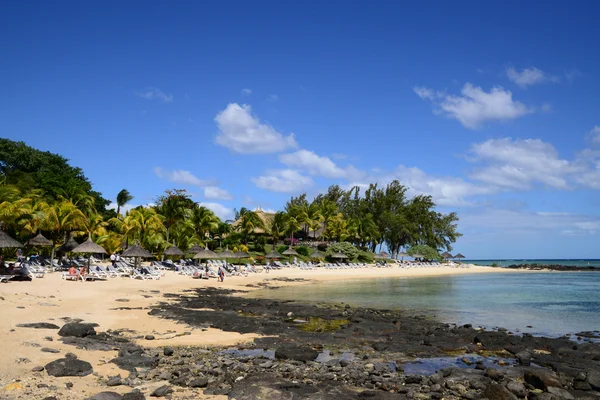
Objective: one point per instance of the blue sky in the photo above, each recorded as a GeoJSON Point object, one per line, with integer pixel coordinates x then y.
{"type": "Point", "coordinates": [491, 109]}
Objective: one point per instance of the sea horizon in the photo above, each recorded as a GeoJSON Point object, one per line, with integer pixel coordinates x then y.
{"type": "Point", "coordinates": [573, 262]}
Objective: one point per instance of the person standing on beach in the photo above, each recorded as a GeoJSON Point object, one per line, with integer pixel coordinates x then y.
{"type": "Point", "coordinates": [19, 255]}
{"type": "Point", "coordinates": [113, 259]}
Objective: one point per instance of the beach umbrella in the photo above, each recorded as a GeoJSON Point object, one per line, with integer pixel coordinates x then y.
{"type": "Point", "coordinates": [39, 240]}
{"type": "Point", "coordinates": [69, 245]}
{"type": "Point", "coordinates": [272, 254]}
{"type": "Point", "coordinates": [446, 255]}
{"type": "Point", "coordinates": [459, 256]}
{"type": "Point", "coordinates": [89, 247]}
{"type": "Point", "coordinates": [241, 254]}
{"type": "Point", "coordinates": [339, 255]}
{"type": "Point", "coordinates": [8, 242]}
{"type": "Point", "coordinates": [382, 255]}
{"type": "Point", "coordinates": [173, 251]}
{"type": "Point", "coordinates": [415, 256]}
{"type": "Point", "coordinates": [290, 252]}
{"type": "Point", "coordinates": [195, 249]}
{"type": "Point", "coordinates": [225, 255]}
{"type": "Point", "coordinates": [205, 253]}
{"type": "Point", "coordinates": [317, 254]}
{"type": "Point", "coordinates": [136, 251]}
{"type": "Point", "coordinates": [402, 255]}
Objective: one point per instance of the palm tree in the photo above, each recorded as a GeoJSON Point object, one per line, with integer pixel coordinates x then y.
{"type": "Point", "coordinates": [223, 229]}
{"type": "Point", "coordinates": [204, 221]}
{"type": "Point", "coordinates": [123, 198]}
{"type": "Point", "coordinates": [61, 218]}
{"type": "Point", "coordinates": [172, 208]}
{"type": "Point", "coordinates": [248, 222]}
{"type": "Point", "coordinates": [328, 210]}
{"type": "Point", "coordinates": [279, 226]}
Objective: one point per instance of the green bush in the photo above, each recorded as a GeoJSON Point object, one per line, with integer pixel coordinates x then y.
{"type": "Point", "coordinates": [344, 247]}
{"type": "Point", "coordinates": [303, 251]}
{"type": "Point", "coordinates": [426, 251]}
{"type": "Point", "coordinates": [322, 247]}
{"type": "Point", "coordinates": [365, 257]}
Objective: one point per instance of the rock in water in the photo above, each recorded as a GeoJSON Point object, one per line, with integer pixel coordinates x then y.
{"type": "Point", "coordinates": [69, 367]}
{"type": "Point", "coordinates": [294, 352]}
{"type": "Point", "coordinates": [106, 396]}
{"type": "Point", "coordinates": [38, 325]}
{"type": "Point", "coordinates": [77, 329]}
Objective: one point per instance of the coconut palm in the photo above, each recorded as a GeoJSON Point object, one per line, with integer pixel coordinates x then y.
{"type": "Point", "coordinates": [249, 221]}
{"type": "Point", "coordinates": [278, 226]}
{"type": "Point", "coordinates": [204, 221]}
{"type": "Point", "coordinates": [123, 197]}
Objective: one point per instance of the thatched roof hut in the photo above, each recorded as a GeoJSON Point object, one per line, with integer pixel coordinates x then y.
{"type": "Point", "coordinates": [205, 254]}
{"type": "Point", "coordinates": [173, 251]}
{"type": "Point", "coordinates": [39, 240]}
{"type": "Point", "coordinates": [89, 247]}
{"type": "Point", "coordinates": [8, 242]}
{"type": "Point", "coordinates": [137, 251]}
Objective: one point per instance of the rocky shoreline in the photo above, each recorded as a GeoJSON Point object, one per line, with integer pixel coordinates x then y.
{"type": "Point", "coordinates": [334, 352]}
{"type": "Point", "coordinates": [552, 267]}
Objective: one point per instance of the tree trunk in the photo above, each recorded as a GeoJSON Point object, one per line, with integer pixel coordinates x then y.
{"type": "Point", "coordinates": [162, 257]}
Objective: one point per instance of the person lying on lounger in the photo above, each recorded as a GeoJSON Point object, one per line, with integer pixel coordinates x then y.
{"type": "Point", "coordinates": [72, 270]}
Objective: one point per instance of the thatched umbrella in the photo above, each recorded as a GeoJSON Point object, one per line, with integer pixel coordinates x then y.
{"type": "Point", "coordinates": [273, 254]}
{"type": "Point", "coordinates": [205, 254]}
{"type": "Point", "coordinates": [89, 247]}
{"type": "Point", "coordinates": [195, 249]}
{"type": "Point", "coordinates": [137, 251]}
{"type": "Point", "coordinates": [382, 255]}
{"type": "Point", "coordinates": [69, 245]}
{"type": "Point", "coordinates": [339, 255]}
{"type": "Point", "coordinates": [317, 254]}
{"type": "Point", "coordinates": [402, 255]}
{"type": "Point", "coordinates": [415, 256]}
{"type": "Point", "coordinates": [241, 254]}
{"type": "Point", "coordinates": [290, 252]}
{"type": "Point", "coordinates": [8, 242]}
{"type": "Point", "coordinates": [459, 256]}
{"type": "Point", "coordinates": [446, 255]}
{"type": "Point", "coordinates": [173, 251]}
{"type": "Point", "coordinates": [225, 255]}
{"type": "Point", "coordinates": [39, 241]}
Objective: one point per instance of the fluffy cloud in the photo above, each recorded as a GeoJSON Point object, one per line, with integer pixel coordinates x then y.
{"type": "Point", "coordinates": [317, 165]}
{"type": "Point", "coordinates": [529, 76]}
{"type": "Point", "coordinates": [216, 193]}
{"type": "Point", "coordinates": [246, 92]}
{"type": "Point", "coordinates": [475, 106]}
{"type": "Point", "coordinates": [589, 163]}
{"type": "Point", "coordinates": [242, 132]}
{"type": "Point", "coordinates": [180, 176]}
{"type": "Point", "coordinates": [517, 164]}
{"type": "Point", "coordinates": [153, 93]}
{"type": "Point", "coordinates": [284, 181]}
{"type": "Point", "coordinates": [220, 210]}
{"type": "Point", "coordinates": [594, 135]}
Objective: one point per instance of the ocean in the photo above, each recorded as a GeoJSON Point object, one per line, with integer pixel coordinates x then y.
{"type": "Point", "coordinates": [548, 304]}
{"type": "Point", "coordinates": [569, 262]}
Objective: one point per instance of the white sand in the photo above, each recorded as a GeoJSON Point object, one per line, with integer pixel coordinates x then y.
{"type": "Point", "coordinates": [50, 298]}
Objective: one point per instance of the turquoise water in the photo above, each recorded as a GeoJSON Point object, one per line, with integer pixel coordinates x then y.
{"type": "Point", "coordinates": [553, 304]}
{"type": "Point", "coordinates": [573, 262]}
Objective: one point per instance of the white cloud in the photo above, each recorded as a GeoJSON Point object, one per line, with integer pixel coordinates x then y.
{"type": "Point", "coordinates": [242, 132]}
{"type": "Point", "coordinates": [589, 163]}
{"type": "Point", "coordinates": [216, 193]}
{"type": "Point", "coordinates": [517, 164]}
{"type": "Point", "coordinates": [317, 165]}
{"type": "Point", "coordinates": [272, 97]}
{"type": "Point", "coordinates": [246, 92]}
{"type": "Point", "coordinates": [153, 93]}
{"type": "Point", "coordinates": [220, 210]}
{"type": "Point", "coordinates": [529, 76]}
{"type": "Point", "coordinates": [284, 181]}
{"type": "Point", "coordinates": [594, 135]}
{"type": "Point", "coordinates": [180, 176]}
{"type": "Point", "coordinates": [475, 106]}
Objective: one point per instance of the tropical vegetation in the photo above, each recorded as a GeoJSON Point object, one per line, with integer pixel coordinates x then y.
{"type": "Point", "coordinates": [41, 193]}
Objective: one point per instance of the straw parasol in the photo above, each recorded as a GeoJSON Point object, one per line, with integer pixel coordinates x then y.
{"type": "Point", "coordinates": [290, 252]}
{"type": "Point", "coordinates": [69, 245]}
{"type": "Point", "coordinates": [382, 255]}
{"type": "Point", "coordinates": [459, 256]}
{"type": "Point", "coordinates": [241, 254]}
{"type": "Point", "coordinates": [273, 254]}
{"type": "Point", "coordinates": [89, 247]}
{"type": "Point", "coordinates": [339, 255]}
{"type": "Point", "coordinates": [205, 253]}
{"type": "Point", "coordinates": [7, 242]}
{"type": "Point", "coordinates": [402, 255]}
{"type": "Point", "coordinates": [136, 251]}
{"type": "Point", "coordinates": [415, 256]}
{"type": "Point", "coordinates": [317, 254]}
{"type": "Point", "coordinates": [39, 240]}
{"type": "Point", "coordinates": [225, 255]}
{"type": "Point", "coordinates": [195, 249]}
{"type": "Point", "coordinates": [446, 255]}
{"type": "Point", "coordinates": [173, 251]}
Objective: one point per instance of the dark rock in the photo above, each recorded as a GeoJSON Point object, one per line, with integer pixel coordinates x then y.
{"type": "Point", "coordinates": [560, 393]}
{"type": "Point", "coordinates": [578, 385]}
{"type": "Point", "coordinates": [199, 383]}
{"type": "Point", "coordinates": [106, 396]}
{"type": "Point", "coordinates": [593, 379]}
{"type": "Point", "coordinates": [49, 350]}
{"type": "Point", "coordinates": [50, 398]}
{"type": "Point", "coordinates": [38, 325]}
{"type": "Point", "coordinates": [114, 381]}
{"type": "Point", "coordinates": [69, 367]}
{"type": "Point", "coordinates": [149, 337]}
{"type": "Point", "coordinates": [494, 374]}
{"type": "Point", "coordinates": [168, 351]}
{"type": "Point", "coordinates": [70, 355]}
{"type": "Point", "coordinates": [517, 388]}
{"type": "Point", "coordinates": [130, 349]}
{"type": "Point", "coordinates": [39, 368]}
{"type": "Point", "coordinates": [494, 340]}
{"type": "Point", "coordinates": [162, 391]}
{"type": "Point", "coordinates": [541, 379]}
{"type": "Point", "coordinates": [498, 392]}
{"type": "Point", "coordinates": [77, 329]}
{"type": "Point", "coordinates": [69, 385]}
{"type": "Point", "coordinates": [135, 361]}
{"type": "Point", "coordinates": [135, 395]}
{"type": "Point", "coordinates": [524, 357]}
{"type": "Point", "coordinates": [294, 352]}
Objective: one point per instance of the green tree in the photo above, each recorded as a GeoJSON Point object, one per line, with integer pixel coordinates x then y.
{"type": "Point", "coordinates": [123, 197]}
{"type": "Point", "coordinates": [248, 221]}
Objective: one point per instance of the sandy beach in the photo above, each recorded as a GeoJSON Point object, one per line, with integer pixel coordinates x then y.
{"type": "Point", "coordinates": [53, 300]}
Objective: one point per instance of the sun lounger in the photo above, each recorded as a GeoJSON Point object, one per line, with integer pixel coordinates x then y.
{"type": "Point", "coordinates": [6, 278]}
